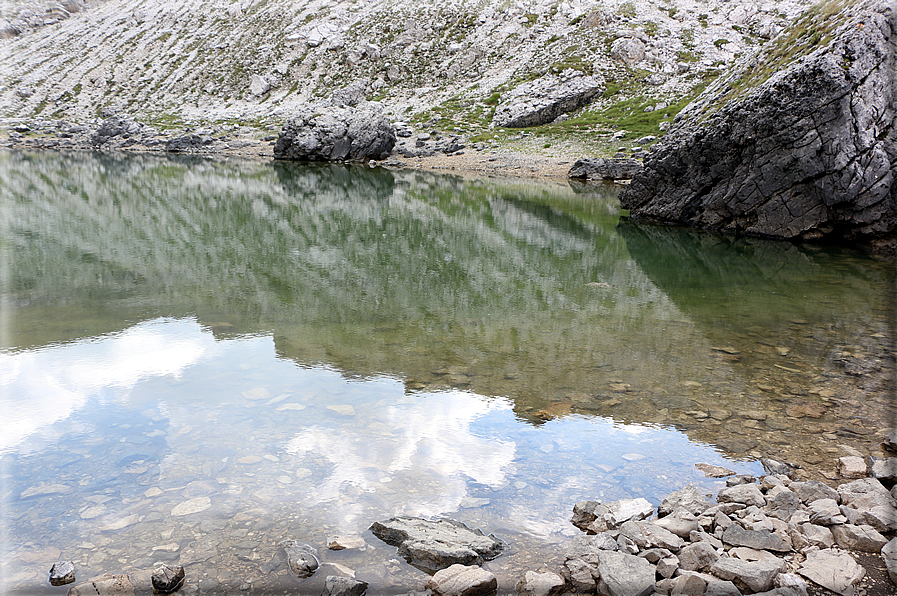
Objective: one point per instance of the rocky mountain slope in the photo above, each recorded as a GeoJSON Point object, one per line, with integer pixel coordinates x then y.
{"type": "Point", "coordinates": [447, 63]}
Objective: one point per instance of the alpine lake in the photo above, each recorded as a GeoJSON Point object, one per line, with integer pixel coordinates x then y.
{"type": "Point", "coordinates": [202, 358]}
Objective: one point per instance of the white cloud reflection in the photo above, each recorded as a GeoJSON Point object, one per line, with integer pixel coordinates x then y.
{"type": "Point", "coordinates": [41, 387]}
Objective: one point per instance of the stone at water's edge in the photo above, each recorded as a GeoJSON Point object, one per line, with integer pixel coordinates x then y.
{"type": "Point", "coordinates": [167, 579]}
{"type": "Point", "coordinates": [303, 558]}
{"type": "Point", "coordinates": [330, 133]}
{"type": "Point", "coordinates": [605, 169]}
{"type": "Point", "coordinates": [808, 153]}
{"type": "Point", "coordinates": [62, 573]}
{"type": "Point", "coordinates": [439, 544]}
{"type": "Point", "coordinates": [105, 585]}
{"type": "Point", "coordinates": [461, 580]}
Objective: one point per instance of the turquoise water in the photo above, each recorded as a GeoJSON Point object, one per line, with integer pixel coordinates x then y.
{"type": "Point", "coordinates": [201, 359]}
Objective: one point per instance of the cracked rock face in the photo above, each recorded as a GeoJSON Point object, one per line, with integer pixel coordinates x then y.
{"type": "Point", "coordinates": [436, 545]}
{"type": "Point", "coordinates": [541, 101]}
{"type": "Point", "coordinates": [327, 133]}
{"type": "Point", "coordinates": [806, 154]}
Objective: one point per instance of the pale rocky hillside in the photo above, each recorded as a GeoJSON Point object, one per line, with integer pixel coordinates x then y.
{"type": "Point", "coordinates": [250, 63]}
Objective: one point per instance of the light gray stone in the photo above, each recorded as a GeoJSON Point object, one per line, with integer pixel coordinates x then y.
{"type": "Point", "coordinates": [699, 556]}
{"type": "Point", "coordinates": [746, 494]}
{"type": "Point", "coordinates": [625, 575]}
{"type": "Point", "coordinates": [872, 500]}
{"type": "Point", "coordinates": [757, 539]}
{"type": "Point", "coordinates": [791, 581]}
{"type": "Point", "coordinates": [689, 498]}
{"type": "Point", "coordinates": [885, 470]}
{"type": "Point", "coordinates": [463, 580]}
{"type": "Point", "coordinates": [852, 466]}
{"type": "Point", "coordinates": [681, 523]}
{"type": "Point", "coordinates": [835, 570]}
{"type": "Point", "coordinates": [862, 538]}
{"type": "Point", "coordinates": [825, 512]}
{"type": "Point", "coordinates": [817, 535]}
{"type": "Point", "coordinates": [541, 101]}
{"type": "Point", "coordinates": [813, 490]}
{"type": "Point", "coordinates": [889, 555]}
{"type": "Point", "coordinates": [540, 584]}
{"type": "Point", "coordinates": [648, 535]}
{"type": "Point", "coordinates": [436, 545]}
{"type": "Point", "coordinates": [626, 510]}
{"type": "Point", "coordinates": [668, 566]}
{"type": "Point", "coordinates": [755, 576]}
{"type": "Point", "coordinates": [688, 584]}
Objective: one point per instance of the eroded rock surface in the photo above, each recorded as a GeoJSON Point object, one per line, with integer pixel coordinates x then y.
{"type": "Point", "coordinates": [809, 152]}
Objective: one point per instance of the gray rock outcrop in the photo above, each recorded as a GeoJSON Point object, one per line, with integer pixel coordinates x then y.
{"type": "Point", "coordinates": [808, 153]}
{"type": "Point", "coordinates": [605, 169]}
{"type": "Point", "coordinates": [325, 132]}
{"type": "Point", "coordinates": [541, 101]}
{"type": "Point", "coordinates": [436, 545]}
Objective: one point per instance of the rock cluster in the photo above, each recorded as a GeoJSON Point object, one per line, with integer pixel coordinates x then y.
{"type": "Point", "coordinates": [548, 97]}
{"type": "Point", "coordinates": [757, 538]}
{"type": "Point", "coordinates": [807, 153]}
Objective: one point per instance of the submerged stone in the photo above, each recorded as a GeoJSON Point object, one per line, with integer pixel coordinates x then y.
{"type": "Point", "coordinates": [167, 579]}
{"type": "Point", "coordinates": [303, 558]}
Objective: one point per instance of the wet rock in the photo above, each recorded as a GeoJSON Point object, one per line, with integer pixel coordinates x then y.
{"type": "Point", "coordinates": [585, 512]}
{"type": "Point", "coordinates": [746, 494]}
{"type": "Point", "coordinates": [62, 573]}
{"type": "Point", "coordinates": [699, 556]}
{"type": "Point", "coordinates": [832, 569]}
{"type": "Point", "coordinates": [712, 471]}
{"type": "Point", "coordinates": [624, 575]}
{"type": "Point", "coordinates": [346, 542]}
{"type": "Point", "coordinates": [540, 584]}
{"type": "Point", "coordinates": [754, 576]}
{"type": "Point", "coordinates": [772, 466]}
{"type": "Point", "coordinates": [757, 539]}
{"type": "Point", "coordinates": [541, 101]}
{"type": "Point", "coordinates": [436, 545]}
{"type": "Point", "coordinates": [335, 585]}
{"type": "Point", "coordinates": [889, 555]}
{"type": "Point", "coordinates": [302, 557]}
{"type": "Point", "coordinates": [463, 580]}
{"type": "Point", "coordinates": [862, 538]}
{"type": "Point", "coordinates": [329, 133]}
{"type": "Point", "coordinates": [105, 585]}
{"type": "Point", "coordinates": [167, 579]}
{"type": "Point", "coordinates": [740, 479]}
{"type": "Point", "coordinates": [605, 169]}
{"type": "Point", "coordinates": [852, 467]}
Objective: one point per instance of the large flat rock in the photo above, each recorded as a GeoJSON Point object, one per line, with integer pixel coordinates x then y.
{"type": "Point", "coordinates": [436, 545]}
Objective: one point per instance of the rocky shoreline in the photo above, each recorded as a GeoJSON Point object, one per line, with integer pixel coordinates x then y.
{"type": "Point", "coordinates": [776, 535]}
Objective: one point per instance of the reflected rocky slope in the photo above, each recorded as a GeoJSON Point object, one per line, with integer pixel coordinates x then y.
{"type": "Point", "coordinates": [504, 288]}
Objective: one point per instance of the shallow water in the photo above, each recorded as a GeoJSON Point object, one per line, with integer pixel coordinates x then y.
{"type": "Point", "coordinates": [201, 359]}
